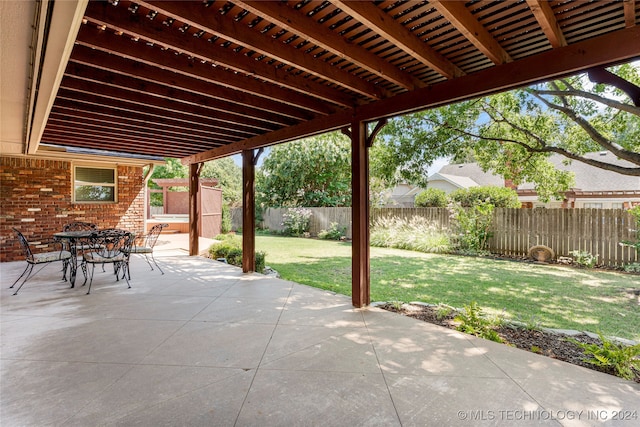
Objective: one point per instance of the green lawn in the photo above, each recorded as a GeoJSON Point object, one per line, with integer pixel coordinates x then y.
{"type": "Point", "coordinates": [552, 296]}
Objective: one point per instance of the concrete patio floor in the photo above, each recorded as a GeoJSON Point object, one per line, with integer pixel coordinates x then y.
{"type": "Point", "coordinates": [205, 345]}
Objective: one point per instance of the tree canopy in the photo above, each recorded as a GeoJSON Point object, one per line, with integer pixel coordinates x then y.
{"type": "Point", "coordinates": [513, 133]}
{"type": "Point", "coordinates": [229, 175]}
{"type": "Point", "coordinates": [311, 172]}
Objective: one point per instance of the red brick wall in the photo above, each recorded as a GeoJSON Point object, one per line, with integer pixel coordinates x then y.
{"type": "Point", "coordinates": [35, 197]}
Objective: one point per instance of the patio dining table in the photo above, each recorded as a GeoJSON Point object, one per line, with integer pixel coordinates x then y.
{"type": "Point", "coordinates": [73, 239]}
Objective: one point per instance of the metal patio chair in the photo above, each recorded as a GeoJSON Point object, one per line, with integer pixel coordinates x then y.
{"type": "Point", "coordinates": [147, 242]}
{"type": "Point", "coordinates": [42, 258]}
{"type": "Point", "coordinates": [110, 246]}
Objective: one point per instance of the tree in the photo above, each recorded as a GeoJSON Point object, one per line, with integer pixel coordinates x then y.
{"type": "Point", "coordinates": [514, 133]}
{"type": "Point", "coordinates": [310, 172]}
{"type": "Point", "coordinates": [229, 175]}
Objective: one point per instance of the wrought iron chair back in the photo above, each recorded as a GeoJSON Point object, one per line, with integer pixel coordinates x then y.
{"type": "Point", "coordinates": [43, 258]}
{"type": "Point", "coordinates": [110, 246]}
{"type": "Point", "coordinates": [147, 244]}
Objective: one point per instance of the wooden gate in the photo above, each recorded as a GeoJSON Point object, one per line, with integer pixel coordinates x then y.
{"type": "Point", "coordinates": [210, 211]}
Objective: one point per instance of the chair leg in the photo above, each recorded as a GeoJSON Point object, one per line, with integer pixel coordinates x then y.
{"type": "Point", "coordinates": [125, 273]}
{"type": "Point", "coordinates": [30, 268]}
{"type": "Point", "coordinates": [146, 258]}
{"type": "Point", "coordinates": [154, 261]}
{"type": "Point", "coordinates": [93, 267]}
{"type": "Point", "coordinates": [25, 270]}
{"type": "Point", "coordinates": [65, 265]}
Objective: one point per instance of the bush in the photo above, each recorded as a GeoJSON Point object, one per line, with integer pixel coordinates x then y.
{"type": "Point", "coordinates": [225, 227]}
{"type": "Point", "coordinates": [230, 248]}
{"type": "Point", "coordinates": [335, 232]}
{"type": "Point", "coordinates": [584, 259]}
{"type": "Point", "coordinates": [226, 247]}
{"type": "Point", "coordinates": [472, 321]}
{"type": "Point", "coordinates": [296, 221]}
{"type": "Point", "coordinates": [634, 267]}
{"type": "Point", "coordinates": [416, 234]}
{"type": "Point", "coordinates": [431, 198]}
{"type": "Point", "coordinates": [621, 359]}
{"type": "Point", "coordinates": [473, 225]}
{"type": "Point", "coordinates": [500, 197]}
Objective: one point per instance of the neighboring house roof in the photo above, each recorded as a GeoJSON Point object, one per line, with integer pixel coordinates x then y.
{"type": "Point", "coordinates": [587, 177]}
{"type": "Point", "coordinates": [456, 180]}
{"type": "Point", "coordinates": [471, 171]}
{"type": "Point", "coordinates": [591, 178]}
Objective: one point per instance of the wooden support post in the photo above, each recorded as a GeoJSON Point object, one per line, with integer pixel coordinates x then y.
{"type": "Point", "coordinates": [194, 207]}
{"type": "Point", "coordinates": [360, 272]}
{"type": "Point", "coordinates": [248, 212]}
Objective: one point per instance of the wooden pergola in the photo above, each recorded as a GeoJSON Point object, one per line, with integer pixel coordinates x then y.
{"type": "Point", "coordinates": [201, 80]}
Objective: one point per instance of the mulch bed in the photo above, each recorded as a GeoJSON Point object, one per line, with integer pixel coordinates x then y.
{"type": "Point", "coordinates": [550, 344]}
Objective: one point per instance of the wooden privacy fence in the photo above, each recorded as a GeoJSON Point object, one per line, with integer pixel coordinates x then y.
{"type": "Point", "coordinates": [597, 231]}
{"type": "Point", "coordinates": [321, 219]}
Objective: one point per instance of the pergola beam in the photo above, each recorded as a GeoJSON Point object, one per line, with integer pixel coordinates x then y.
{"type": "Point", "coordinates": [163, 99]}
{"type": "Point", "coordinates": [457, 13]}
{"type": "Point", "coordinates": [201, 50]}
{"type": "Point", "coordinates": [173, 111]}
{"type": "Point", "coordinates": [170, 124]}
{"type": "Point", "coordinates": [188, 90]}
{"type": "Point", "coordinates": [371, 15]}
{"type": "Point", "coordinates": [546, 18]}
{"type": "Point", "coordinates": [629, 13]}
{"type": "Point", "coordinates": [197, 15]}
{"type": "Point", "coordinates": [289, 19]}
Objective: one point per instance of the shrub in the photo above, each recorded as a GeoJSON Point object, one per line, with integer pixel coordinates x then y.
{"type": "Point", "coordinates": [335, 232]}
{"type": "Point", "coordinates": [472, 322]}
{"type": "Point", "coordinates": [584, 259]}
{"type": "Point", "coordinates": [499, 197]}
{"type": "Point", "coordinates": [230, 248]}
{"type": "Point", "coordinates": [431, 198]}
{"type": "Point", "coordinates": [228, 245]}
{"type": "Point", "coordinates": [634, 267]}
{"type": "Point", "coordinates": [622, 360]}
{"type": "Point", "coordinates": [443, 311]}
{"type": "Point", "coordinates": [296, 221]}
{"type": "Point", "coordinates": [472, 226]}
{"type": "Point", "coordinates": [416, 234]}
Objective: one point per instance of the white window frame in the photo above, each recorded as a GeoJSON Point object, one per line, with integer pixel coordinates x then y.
{"type": "Point", "coordinates": [114, 184]}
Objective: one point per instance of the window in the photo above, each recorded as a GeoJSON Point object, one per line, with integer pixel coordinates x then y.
{"type": "Point", "coordinates": [617, 205]}
{"type": "Point", "coordinates": [92, 184]}
{"type": "Point", "coordinates": [593, 205]}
